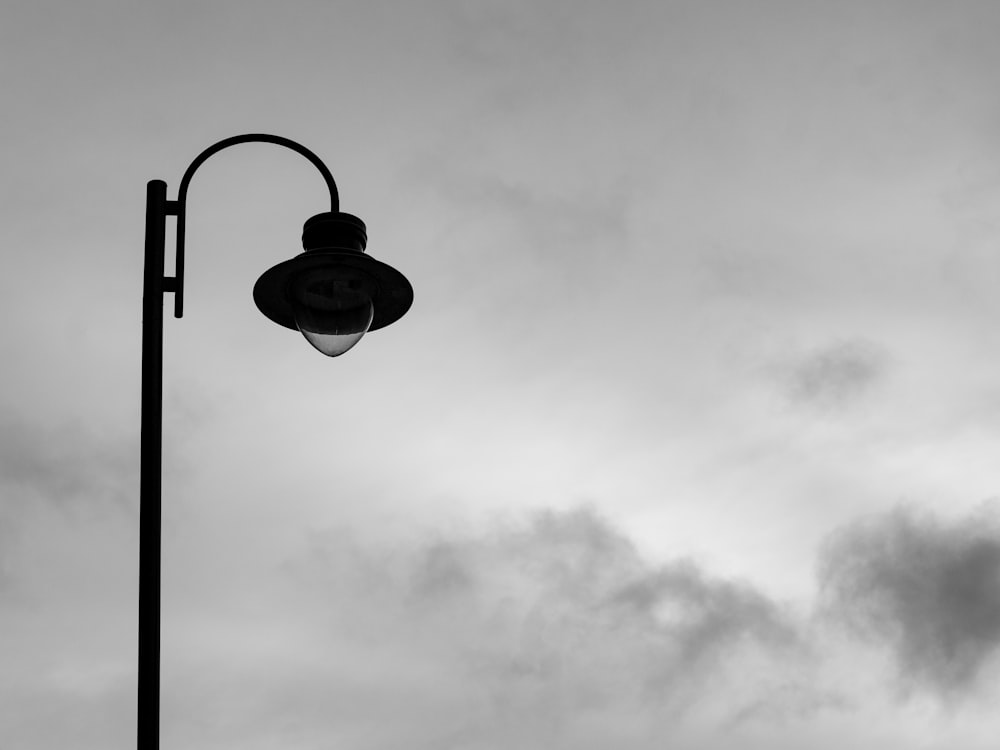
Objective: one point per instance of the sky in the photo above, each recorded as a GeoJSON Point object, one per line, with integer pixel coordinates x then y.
{"type": "Point", "coordinates": [688, 441]}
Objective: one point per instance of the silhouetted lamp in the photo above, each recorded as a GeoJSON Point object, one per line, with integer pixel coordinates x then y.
{"type": "Point", "coordinates": [333, 292]}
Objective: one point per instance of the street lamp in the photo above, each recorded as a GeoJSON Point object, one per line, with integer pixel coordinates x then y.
{"type": "Point", "coordinates": [332, 292]}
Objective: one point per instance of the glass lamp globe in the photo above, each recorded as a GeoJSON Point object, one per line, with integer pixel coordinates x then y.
{"type": "Point", "coordinates": [333, 313]}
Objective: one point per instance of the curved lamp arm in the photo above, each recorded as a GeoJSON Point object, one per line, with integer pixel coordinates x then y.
{"type": "Point", "coordinates": [181, 202]}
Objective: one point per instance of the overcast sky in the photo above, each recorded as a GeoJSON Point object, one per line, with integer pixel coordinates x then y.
{"type": "Point", "coordinates": [689, 440]}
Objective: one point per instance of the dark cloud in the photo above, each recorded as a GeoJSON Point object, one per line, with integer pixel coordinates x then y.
{"type": "Point", "coordinates": [575, 569]}
{"type": "Point", "coordinates": [78, 471]}
{"type": "Point", "coordinates": [700, 612]}
{"type": "Point", "coordinates": [836, 375]}
{"type": "Point", "coordinates": [927, 589]}
{"type": "Point", "coordinates": [69, 464]}
{"type": "Point", "coordinates": [554, 619]}
{"type": "Point", "coordinates": [789, 703]}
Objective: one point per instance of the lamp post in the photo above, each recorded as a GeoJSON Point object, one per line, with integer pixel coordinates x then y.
{"type": "Point", "coordinates": [332, 292]}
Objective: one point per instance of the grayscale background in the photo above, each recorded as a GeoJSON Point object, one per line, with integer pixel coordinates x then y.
{"type": "Point", "coordinates": [689, 440]}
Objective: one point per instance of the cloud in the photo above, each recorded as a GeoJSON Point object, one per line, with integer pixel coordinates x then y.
{"type": "Point", "coordinates": [550, 630]}
{"type": "Point", "coordinates": [925, 588]}
{"type": "Point", "coordinates": [834, 376]}
{"type": "Point", "coordinates": [67, 464]}
{"type": "Point", "coordinates": [556, 631]}
{"type": "Point", "coordinates": [76, 470]}
{"type": "Point", "coordinates": [553, 632]}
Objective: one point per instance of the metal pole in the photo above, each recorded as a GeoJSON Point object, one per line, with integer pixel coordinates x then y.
{"type": "Point", "coordinates": [148, 721]}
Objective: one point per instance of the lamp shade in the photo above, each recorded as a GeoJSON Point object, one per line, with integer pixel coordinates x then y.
{"type": "Point", "coordinates": [333, 292]}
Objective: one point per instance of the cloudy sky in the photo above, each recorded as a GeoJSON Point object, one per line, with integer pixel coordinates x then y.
{"type": "Point", "coordinates": [688, 441]}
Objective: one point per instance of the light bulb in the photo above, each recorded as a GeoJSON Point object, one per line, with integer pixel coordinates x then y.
{"type": "Point", "coordinates": [333, 311]}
